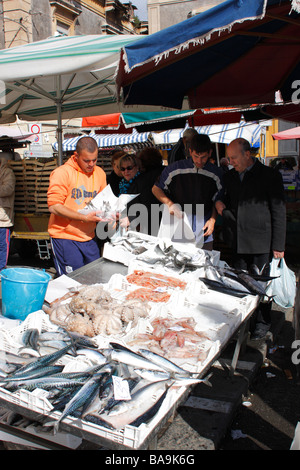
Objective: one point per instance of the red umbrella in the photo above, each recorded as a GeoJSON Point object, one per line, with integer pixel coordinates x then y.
{"type": "Point", "coordinates": [288, 134]}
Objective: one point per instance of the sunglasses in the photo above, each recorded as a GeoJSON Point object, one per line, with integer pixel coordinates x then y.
{"type": "Point", "coordinates": [129, 168]}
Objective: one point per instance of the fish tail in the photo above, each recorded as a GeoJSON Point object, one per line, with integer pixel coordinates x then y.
{"type": "Point", "coordinates": [54, 423]}
{"type": "Point", "coordinates": [206, 380]}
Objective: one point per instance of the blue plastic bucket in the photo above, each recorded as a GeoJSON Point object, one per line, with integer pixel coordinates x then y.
{"type": "Point", "coordinates": [23, 291]}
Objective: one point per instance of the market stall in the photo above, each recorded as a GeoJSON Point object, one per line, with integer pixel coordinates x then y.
{"type": "Point", "coordinates": [186, 317]}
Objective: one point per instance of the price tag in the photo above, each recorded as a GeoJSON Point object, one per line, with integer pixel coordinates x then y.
{"type": "Point", "coordinates": [160, 289]}
{"type": "Point", "coordinates": [121, 388]}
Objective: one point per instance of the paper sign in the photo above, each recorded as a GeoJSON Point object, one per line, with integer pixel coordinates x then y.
{"type": "Point", "coordinates": [121, 388]}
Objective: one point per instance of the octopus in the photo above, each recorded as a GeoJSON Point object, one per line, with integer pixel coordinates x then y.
{"type": "Point", "coordinates": [92, 311]}
{"type": "Point", "coordinates": [81, 324]}
{"type": "Point", "coordinates": [107, 324]}
{"type": "Point", "coordinates": [132, 310]}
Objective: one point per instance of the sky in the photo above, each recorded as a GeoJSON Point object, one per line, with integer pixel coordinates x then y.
{"type": "Point", "coordinates": [141, 11]}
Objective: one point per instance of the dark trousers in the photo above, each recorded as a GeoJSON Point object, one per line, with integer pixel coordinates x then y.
{"type": "Point", "coordinates": [245, 261]}
{"type": "Point", "coordinates": [69, 255]}
{"type": "Point", "coordinates": [4, 246]}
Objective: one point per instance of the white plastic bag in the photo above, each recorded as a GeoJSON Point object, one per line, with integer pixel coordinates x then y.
{"type": "Point", "coordinates": [283, 288]}
{"type": "Point", "coordinates": [175, 228]}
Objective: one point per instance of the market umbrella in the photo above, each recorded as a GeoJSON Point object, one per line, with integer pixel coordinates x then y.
{"type": "Point", "coordinates": [108, 140]}
{"type": "Point", "coordinates": [237, 53]}
{"type": "Point", "coordinates": [159, 120]}
{"type": "Point", "coordinates": [61, 77]}
{"type": "Point", "coordinates": [288, 134]}
{"type": "Point", "coordinates": [224, 133]}
{"type": "Point", "coordinates": [125, 122]}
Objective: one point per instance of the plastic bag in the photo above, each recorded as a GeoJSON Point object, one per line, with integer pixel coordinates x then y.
{"type": "Point", "coordinates": [283, 288]}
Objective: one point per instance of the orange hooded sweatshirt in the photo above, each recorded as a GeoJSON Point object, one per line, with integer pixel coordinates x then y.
{"type": "Point", "coordinates": [73, 188]}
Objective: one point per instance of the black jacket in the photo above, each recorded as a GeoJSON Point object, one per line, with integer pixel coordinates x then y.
{"type": "Point", "coordinates": [142, 185]}
{"type": "Point", "coordinates": [113, 180]}
{"type": "Point", "coordinates": [257, 210]}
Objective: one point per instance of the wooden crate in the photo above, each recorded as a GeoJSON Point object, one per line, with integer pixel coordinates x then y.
{"type": "Point", "coordinates": [32, 181]}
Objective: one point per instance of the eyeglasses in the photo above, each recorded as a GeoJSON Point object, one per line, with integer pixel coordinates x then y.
{"type": "Point", "coordinates": [129, 168]}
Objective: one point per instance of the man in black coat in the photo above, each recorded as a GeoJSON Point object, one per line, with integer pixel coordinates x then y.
{"type": "Point", "coordinates": [254, 218]}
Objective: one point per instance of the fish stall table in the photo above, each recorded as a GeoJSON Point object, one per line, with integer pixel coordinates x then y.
{"type": "Point", "coordinates": [130, 438]}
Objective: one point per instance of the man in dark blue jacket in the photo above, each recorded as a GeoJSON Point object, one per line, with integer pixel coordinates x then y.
{"type": "Point", "coordinates": [252, 204]}
{"type": "Point", "coordinates": [193, 184]}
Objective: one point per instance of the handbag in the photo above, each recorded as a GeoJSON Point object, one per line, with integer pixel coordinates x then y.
{"type": "Point", "coordinates": [283, 287]}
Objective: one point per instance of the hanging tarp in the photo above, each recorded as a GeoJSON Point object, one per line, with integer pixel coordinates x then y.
{"type": "Point", "coordinates": [219, 133]}
{"type": "Point", "coordinates": [109, 140]}
{"type": "Point", "coordinates": [236, 53]}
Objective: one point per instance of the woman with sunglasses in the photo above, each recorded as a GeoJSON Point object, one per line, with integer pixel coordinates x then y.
{"type": "Point", "coordinates": [140, 173]}
{"type": "Point", "coordinates": [130, 171]}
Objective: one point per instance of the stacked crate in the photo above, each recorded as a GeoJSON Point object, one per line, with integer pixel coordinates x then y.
{"type": "Point", "coordinates": [32, 181]}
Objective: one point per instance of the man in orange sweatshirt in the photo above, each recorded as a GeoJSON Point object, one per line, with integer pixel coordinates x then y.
{"type": "Point", "coordinates": [71, 187]}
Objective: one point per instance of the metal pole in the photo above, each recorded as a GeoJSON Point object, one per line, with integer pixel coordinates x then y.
{"type": "Point", "coordinates": [59, 120]}
{"type": "Point", "coordinates": [217, 153]}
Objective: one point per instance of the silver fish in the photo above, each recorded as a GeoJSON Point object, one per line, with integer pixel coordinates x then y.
{"type": "Point", "coordinates": [134, 360]}
{"type": "Point", "coordinates": [44, 360]}
{"type": "Point", "coordinates": [30, 338]}
{"type": "Point", "coordinates": [35, 373]}
{"type": "Point", "coordinates": [255, 286]}
{"type": "Point", "coordinates": [84, 396]}
{"type": "Point", "coordinates": [45, 383]}
{"type": "Point", "coordinates": [94, 355]}
{"type": "Point", "coordinates": [128, 411]}
{"type": "Point", "coordinates": [162, 362]}
{"type": "Point", "coordinates": [154, 376]}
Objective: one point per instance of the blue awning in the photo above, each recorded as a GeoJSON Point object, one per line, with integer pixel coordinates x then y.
{"type": "Point", "coordinates": [107, 140]}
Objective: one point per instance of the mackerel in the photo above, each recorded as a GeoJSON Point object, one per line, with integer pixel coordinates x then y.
{"type": "Point", "coordinates": [82, 398]}
{"type": "Point", "coordinates": [34, 374]}
{"type": "Point", "coordinates": [162, 362]}
{"type": "Point", "coordinates": [45, 383]}
{"type": "Point", "coordinates": [43, 361]}
{"type": "Point", "coordinates": [154, 376]}
{"type": "Point", "coordinates": [134, 360]}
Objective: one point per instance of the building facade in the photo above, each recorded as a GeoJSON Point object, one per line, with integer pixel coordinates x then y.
{"type": "Point", "coordinates": [24, 21]}
{"type": "Point", "coordinates": [165, 13]}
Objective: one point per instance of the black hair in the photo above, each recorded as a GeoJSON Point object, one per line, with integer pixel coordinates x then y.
{"type": "Point", "coordinates": [200, 143]}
